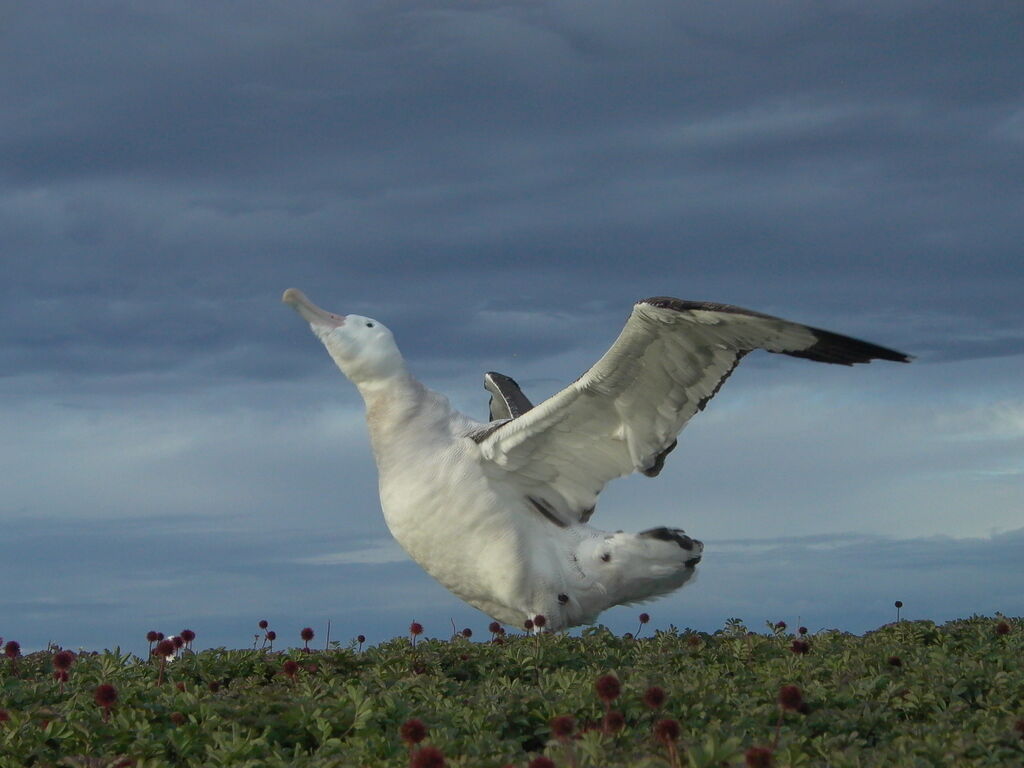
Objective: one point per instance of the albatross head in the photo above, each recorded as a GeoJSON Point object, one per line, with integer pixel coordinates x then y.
{"type": "Point", "coordinates": [362, 348]}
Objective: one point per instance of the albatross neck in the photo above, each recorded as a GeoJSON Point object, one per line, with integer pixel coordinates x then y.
{"type": "Point", "coordinates": [399, 385]}
{"type": "Point", "coordinates": [390, 403]}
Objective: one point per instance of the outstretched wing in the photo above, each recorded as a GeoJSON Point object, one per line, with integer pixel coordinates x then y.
{"type": "Point", "coordinates": [623, 415]}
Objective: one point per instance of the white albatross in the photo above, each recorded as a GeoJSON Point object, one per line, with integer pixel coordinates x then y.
{"type": "Point", "coordinates": [498, 512]}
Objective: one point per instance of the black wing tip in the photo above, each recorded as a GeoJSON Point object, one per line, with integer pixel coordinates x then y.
{"type": "Point", "coordinates": [844, 350]}
{"type": "Point", "coordinates": [507, 398]}
{"type": "Point", "coordinates": [828, 348]}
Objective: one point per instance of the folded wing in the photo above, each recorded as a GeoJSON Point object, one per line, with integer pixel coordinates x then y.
{"type": "Point", "coordinates": [623, 415]}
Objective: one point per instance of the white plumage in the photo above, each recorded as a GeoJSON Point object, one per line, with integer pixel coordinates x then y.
{"type": "Point", "coordinates": [498, 512]}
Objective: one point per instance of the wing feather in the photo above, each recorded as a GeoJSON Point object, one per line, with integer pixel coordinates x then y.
{"type": "Point", "coordinates": [623, 414]}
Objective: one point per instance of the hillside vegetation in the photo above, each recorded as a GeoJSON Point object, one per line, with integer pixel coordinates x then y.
{"type": "Point", "coordinates": [908, 694]}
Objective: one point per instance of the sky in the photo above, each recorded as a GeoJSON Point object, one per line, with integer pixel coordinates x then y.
{"type": "Point", "coordinates": [498, 182]}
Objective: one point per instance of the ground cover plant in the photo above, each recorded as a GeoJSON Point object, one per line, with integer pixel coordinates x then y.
{"type": "Point", "coordinates": [910, 693]}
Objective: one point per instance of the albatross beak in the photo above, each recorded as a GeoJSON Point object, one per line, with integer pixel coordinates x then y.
{"type": "Point", "coordinates": [310, 312]}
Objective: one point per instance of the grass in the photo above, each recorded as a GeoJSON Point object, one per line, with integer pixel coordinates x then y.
{"type": "Point", "coordinates": [910, 693]}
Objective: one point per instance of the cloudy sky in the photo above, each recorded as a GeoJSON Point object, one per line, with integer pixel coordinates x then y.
{"type": "Point", "coordinates": [499, 182]}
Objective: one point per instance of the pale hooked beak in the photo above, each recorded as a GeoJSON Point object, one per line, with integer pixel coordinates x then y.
{"type": "Point", "coordinates": [310, 312]}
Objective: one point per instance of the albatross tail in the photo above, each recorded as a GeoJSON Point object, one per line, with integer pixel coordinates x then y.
{"type": "Point", "coordinates": [633, 567]}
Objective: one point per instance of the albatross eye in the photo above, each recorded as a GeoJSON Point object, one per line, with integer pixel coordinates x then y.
{"type": "Point", "coordinates": [369, 325]}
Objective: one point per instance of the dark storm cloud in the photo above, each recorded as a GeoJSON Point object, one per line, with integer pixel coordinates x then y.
{"type": "Point", "coordinates": [207, 89]}
{"type": "Point", "coordinates": [201, 158]}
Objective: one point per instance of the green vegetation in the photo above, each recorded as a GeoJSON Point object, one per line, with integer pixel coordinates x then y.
{"type": "Point", "coordinates": [908, 694]}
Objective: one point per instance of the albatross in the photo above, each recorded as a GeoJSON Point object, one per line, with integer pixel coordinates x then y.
{"type": "Point", "coordinates": [499, 511]}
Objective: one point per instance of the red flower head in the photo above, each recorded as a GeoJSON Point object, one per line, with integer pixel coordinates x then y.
{"type": "Point", "coordinates": [290, 667]}
{"type": "Point", "coordinates": [895, 661]}
{"type": "Point", "coordinates": [306, 634]}
{"type": "Point", "coordinates": [152, 636]}
{"type": "Point", "coordinates": [654, 697]}
{"type": "Point", "coordinates": [178, 718]}
{"type": "Point", "coordinates": [427, 757]}
{"type": "Point", "coordinates": [791, 698]}
{"type": "Point", "coordinates": [644, 618]}
{"type": "Point", "coordinates": [12, 649]}
{"type": "Point", "coordinates": [415, 629]}
{"type": "Point", "coordinates": [780, 625]}
{"type": "Point", "coordinates": [608, 688]}
{"type": "Point", "coordinates": [188, 635]}
{"type": "Point", "coordinates": [667, 730]}
{"type": "Point", "coordinates": [898, 603]}
{"type": "Point", "coordinates": [264, 623]}
{"type": "Point", "coordinates": [413, 731]}
{"type": "Point", "coordinates": [360, 639]}
{"type": "Point", "coordinates": [802, 630]}
{"type": "Point", "coordinates": [542, 762]}
{"type": "Point", "coordinates": [178, 641]}
{"type": "Point", "coordinates": [494, 628]}
{"type": "Point", "coordinates": [528, 625]}
{"type": "Point", "coordinates": [4, 715]}
{"type": "Point", "coordinates": [614, 721]}
{"type": "Point", "coordinates": [563, 726]}
{"type": "Point", "coordinates": [800, 647]}
{"type": "Point", "coordinates": [1019, 727]}
{"type": "Point", "coordinates": [62, 660]}
{"type": "Point", "coordinates": [105, 695]}
{"type": "Point", "coordinates": [165, 648]}
{"type": "Point", "coordinates": [467, 632]}
{"type": "Point", "coordinates": [758, 757]}
{"type": "Point", "coordinates": [540, 620]}
{"type": "Point", "coordinates": [1002, 628]}
{"type": "Point", "coordinates": [271, 635]}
